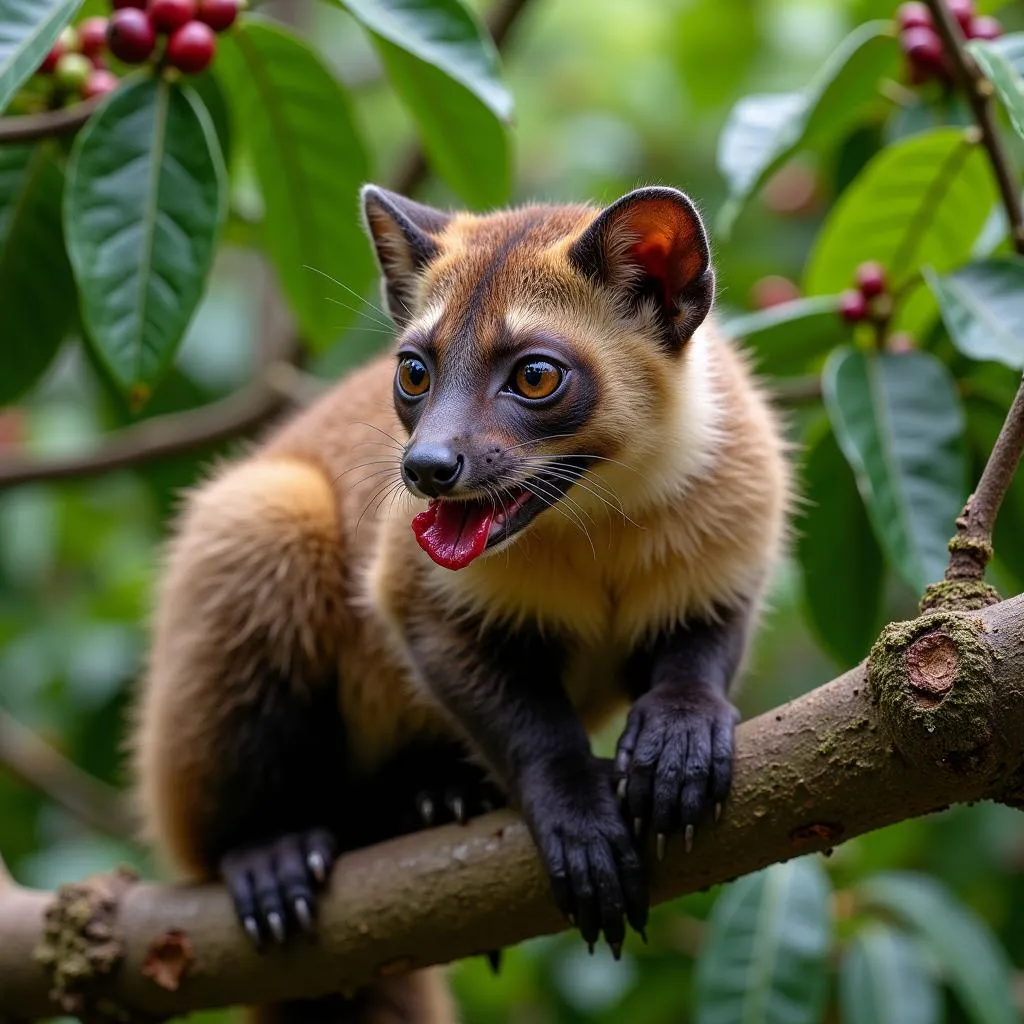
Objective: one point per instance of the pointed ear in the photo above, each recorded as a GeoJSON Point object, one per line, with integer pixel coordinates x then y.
{"type": "Point", "coordinates": [651, 244]}
{"type": "Point", "coordinates": [404, 235]}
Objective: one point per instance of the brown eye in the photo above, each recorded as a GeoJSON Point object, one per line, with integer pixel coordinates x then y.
{"type": "Point", "coordinates": [537, 378]}
{"type": "Point", "coordinates": [413, 377]}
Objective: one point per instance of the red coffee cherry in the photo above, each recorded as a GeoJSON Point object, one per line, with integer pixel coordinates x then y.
{"type": "Point", "coordinates": [99, 83]}
{"type": "Point", "coordinates": [913, 15]}
{"type": "Point", "coordinates": [191, 48]}
{"type": "Point", "coordinates": [130, 36]}
{"type": "Point", "coordinates": [853, 307]}
{"type": "Point", "coordinates": [218, 14]}
{"type": "Point", "coordinates": [924, 50]}
{"type": "Point", "coordinates": [49, 64]}
{"type": "Point", "coordinates": [870, 279]}
{"type": "Point", "coordinates": [984, 27]}
{"type": "Point", "coordinates": [92, 36]}
{"type": "Point", "coordinates": [168, 15]}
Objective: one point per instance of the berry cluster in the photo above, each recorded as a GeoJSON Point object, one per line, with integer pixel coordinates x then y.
{"type": "Point", "coordinates": [75, 62]}
{"type": "Point", "coordinates": [189, 25]}
{"type": "Point", "coordinates": [869, 299]}
{"type": "Point", "coordinates": [919, 40]}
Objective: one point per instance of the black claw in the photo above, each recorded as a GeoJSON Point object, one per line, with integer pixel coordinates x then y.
{"type": "Point", "coordinates": [620, 791]}
{"type": "Point", "coordinates": [638, 826]}
{"type": "Point", "coordinates": [660, 844]}
{"type": "Point", "coordinates": [616, 948]}
{"type": "Point", "coordinates": [425, 807]}
{"type": "Point", "coordinates": [494, 959]}
{"type": "Point", "coordinates": [317, 865]}
{"type": "Point", "coordinates": [590, 948]}
{"type": "Point", "coordinates": [458, 807]}
{"type": "Point", "coordinates": [304, 915]}
{"type": "Point", "coordinates": [642, 932]}
{"type": "Point", "coordinates": [276, 925]}
{"type": "Point", "coordinates": [252, 929]}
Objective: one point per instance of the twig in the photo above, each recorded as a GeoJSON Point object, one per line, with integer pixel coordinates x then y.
{"type": "Point", "coordinates": [158, 438]}
{"type": "Point", "coordinates": [797, 391]}
{"type": "Point", "coordinates": [30, 127]}
{"type": "Point", "coordinates": [412, 168]}
{"type": "Point", "coordinates": [978, 91]}
{"type": "Point", "coordinates": [971, 548]}
{"type": "Point", "coordinates": [38, 764]}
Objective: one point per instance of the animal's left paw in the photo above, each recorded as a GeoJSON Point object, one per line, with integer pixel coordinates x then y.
{"type": "Point", "coordinates": [674, 761]}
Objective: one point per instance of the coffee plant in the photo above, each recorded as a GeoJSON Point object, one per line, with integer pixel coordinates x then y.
{"type": "Point", "coordinates": [138, 142]}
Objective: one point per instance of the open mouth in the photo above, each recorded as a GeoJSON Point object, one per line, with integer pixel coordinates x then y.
{"type": "Point", "coordinates": [455, 532]}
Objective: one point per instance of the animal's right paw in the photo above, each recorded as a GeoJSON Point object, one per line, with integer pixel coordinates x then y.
{"type": "Point", "coordinates": [273, 885]}
{"type": "Point", "coordinates": [596, 875]}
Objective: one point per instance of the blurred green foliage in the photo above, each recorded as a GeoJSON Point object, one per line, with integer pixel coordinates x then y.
{"type": "Point", "coordinates": [608, 95]}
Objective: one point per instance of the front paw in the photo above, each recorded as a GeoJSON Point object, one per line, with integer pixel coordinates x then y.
{"type": "Point", "coordinates": [273, 884]}
{"type": "Point", "coordinates": [674, 761]}
{"type": "Point", "coordinates": [597, 877]}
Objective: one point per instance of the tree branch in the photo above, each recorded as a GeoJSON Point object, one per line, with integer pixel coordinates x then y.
{"type": "Point", "coordinates": [38, 764]}
{"type": "Point", "coordinates": [157, 438]}
{"type": "Point", "coordinates": [887, 741]}
{"type": "Point", "coordinates": [971, 549]}
{"type": "Point", "coordinates": [32, 127]}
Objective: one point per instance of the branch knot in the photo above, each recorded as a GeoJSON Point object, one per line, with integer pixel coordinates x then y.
{"type": "Point", "coordinates": [932, 681]}
{"type": "Point", "coordinates": [82, 946]}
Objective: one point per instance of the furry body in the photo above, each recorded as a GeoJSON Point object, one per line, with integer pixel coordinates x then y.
{"type": "Point", "coordinates": [303, 639]}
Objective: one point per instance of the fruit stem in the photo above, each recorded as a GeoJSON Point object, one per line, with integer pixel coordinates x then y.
{"type": "Point", "coordinates": [970, 77]}
{"type": "Point", "coordinates": [971, 548]}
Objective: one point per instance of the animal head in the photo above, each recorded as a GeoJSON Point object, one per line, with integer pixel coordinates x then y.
{"type": "Point", "coordinates": [533, 343]}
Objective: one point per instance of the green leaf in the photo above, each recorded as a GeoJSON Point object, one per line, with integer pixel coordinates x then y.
{"type": "Point", "coordinates": [310, 161]}
{"type": "Point", "coordinates": [142, 211]}
{"type": "Point", "coordinates": [28, 29]}
{"type": "Point", "coordinates": [838, 551]}
{"type": "Point", "coordinates": [1011, 48]}
{"type": "Point", "coordinates": [790, 338]}
{"type": "Point", "coordinates": [444, 67]}
{"type": "Point", "coordinates": [444, 33]}
{"type": "Point", "coordinates": [922, 201]}
{"type": "Point", "coordinates": [982, 305]}
{"type": "Point", "coordinates": [884, 979]}
{"type": "Point", "coordinates": [975, 965]}
{"type": "Point", "coordinates": [464, 141]}
{"type": "Point", "coordinates": [899, 423]}
{"type": "Point", "coordinates": [765, 954]}
{"type": "Point", "coordinates": [1001, 73]}
{"type": "Point", "coordinates": [766, 130]}
{"type": "Point", "coordinates": [37, 292]}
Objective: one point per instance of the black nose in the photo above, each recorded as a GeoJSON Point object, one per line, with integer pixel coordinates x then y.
{"type": "Point", "coordinates": [432, 468]}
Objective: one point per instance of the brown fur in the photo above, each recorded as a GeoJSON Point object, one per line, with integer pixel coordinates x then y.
{"type": "Point", "coordinates": [301, 552]}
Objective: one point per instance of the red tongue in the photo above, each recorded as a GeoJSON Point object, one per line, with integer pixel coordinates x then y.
{"type": "Point", "coordinates": [453, 533]}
